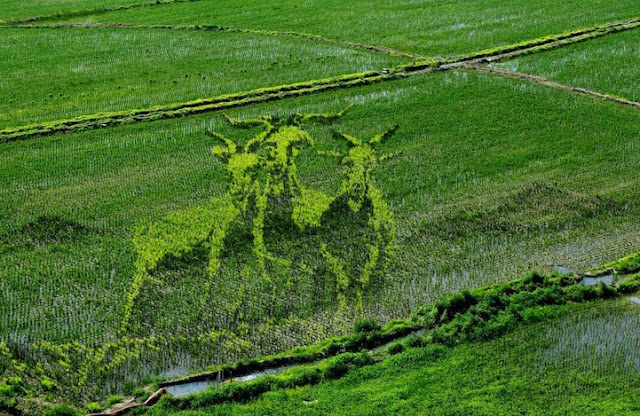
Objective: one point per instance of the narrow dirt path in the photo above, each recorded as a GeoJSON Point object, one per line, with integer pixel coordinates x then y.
{"type": "Point", "coordinates": [544, 81]}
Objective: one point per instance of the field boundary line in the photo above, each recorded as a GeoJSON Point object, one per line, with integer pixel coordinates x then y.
{"type": "Point", "coordinates": [261, 95]}
{"type": "Point", "coordinates": [226, 29]}
{"type": "Point", "coordinates": [549, 83]}
{"type": "Point", "coordinates": [89, 12]}
{"type": "Point", "coordinates": [546, 43]}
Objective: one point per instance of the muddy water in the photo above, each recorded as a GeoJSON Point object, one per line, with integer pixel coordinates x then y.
{"type": "Point", "coordinates": [187, 388]}
{"type": "Point", "coordinates": [190, 388]}
{"type": "Point", "coordinates": [383, 347]}
{"type": "Point", "coordinates": [594, 281]}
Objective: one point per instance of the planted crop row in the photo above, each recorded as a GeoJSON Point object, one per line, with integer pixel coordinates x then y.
{"type": "Point", "coordinates": [125, 175]}
{"type": "Point", "coordinates": [558, 41]}
{"type": "Point", "coordinates": [452, 28]}
{"type": "Point", "coordinates": [37, 88]}
{"type": "Point", "coordinates": [216, 28]}
{"type": "Point", "coordinates": [89, 12]}
{"type": "Point", "coordinates": [549, 83]}
{"type": "Point", "coordinates": [309, 87]}
{"type": "Point", "coordinates": [610, 65]}
{"type": "Point", "coordinates": [193, 107]}
{"type": "Point", "coordinates": [544, 43]}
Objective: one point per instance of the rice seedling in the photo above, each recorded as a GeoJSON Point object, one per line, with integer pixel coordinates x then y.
{"type": "Point", "coordinates": [102, 70]}
{"type": "Point", "coordinates": [607, 65]}
{"type": "Point", "coordinates": [482, 219]}
{"type": "Point", "coordinates": [432, 28]}
{"type": "Point", "coordinates": [130, 254]}
{"type": "Point", "coordinates": [39, 10]}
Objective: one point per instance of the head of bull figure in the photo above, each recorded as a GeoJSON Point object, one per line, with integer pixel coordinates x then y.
{"type": "Point", "coordinates": [359, 163]}
{"type": "Point", "coordinates": [272, 151]}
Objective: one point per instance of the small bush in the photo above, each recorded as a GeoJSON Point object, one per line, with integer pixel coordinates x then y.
{"type": "Point", "coordinates": [581, 293]}
{"type": "Point", "coordinates": [446, 309]}
{"type": "Point", "coordinates": [366, 325]}
{"type": "Point", "coordinates": [141, 393]}
{"type": "Point", "coordinates": [304, 377]}
{"type": "Point", "coordinates": [416, 341]}
{"type": "Point", "coordinates": [606, 291]}
{"type": "Point", "coordinates": [630, 286]}
{"type": "Point", "coordinates": [93, 407]}
{"type": "Point", "coordinates": [61, 410]}
{"type": "Point", "coordinates": [339, 366]}
{"type": "Point", "coordinates": [111, 400]}
{"type": "Point", "coordinates": [336, 369]}
{"type": "Point", "coordinates": [395, 348]}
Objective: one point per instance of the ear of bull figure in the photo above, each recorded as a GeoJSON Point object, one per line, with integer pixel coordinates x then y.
{"type": "Point", "coordinates": [352, 141]}
{"type": "Point", "coordinates": [383, 137]}
{"type": "Point", "coordinates": [318, 117]}
{"type": "Point", "coordinates": [248, 123]}
{"type": "Point", "coordinates": [223, 152]}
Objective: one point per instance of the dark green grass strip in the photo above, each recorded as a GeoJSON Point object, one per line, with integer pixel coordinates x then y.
{"type": "Point", "coordinates": [184, 109]}
{"type": "Point", "coordinates": [216, 28]}
{"type": "Point", "coordinates": [89, 12]}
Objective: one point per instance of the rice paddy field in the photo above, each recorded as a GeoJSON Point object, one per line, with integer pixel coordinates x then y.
{"type": "Point", "coordinates": [581, 65]}
{"type": "Point", "coordinates": [84, 78]}
{"type": "Point", "coordinates": [19, 10]}
{"type": "Point", "coordinates": [582, 362]}
{"type": "Point", "coordinates": [187, 184]}
{"type": "Point", "coordinates": [428, 27]}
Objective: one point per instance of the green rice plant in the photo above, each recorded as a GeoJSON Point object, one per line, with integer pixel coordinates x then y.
{"type": "Point", "coordinates": [216, 28]}
{"type": "Point", "coordinates": [16, 11]}
{"type": "Point", "coordinates": [510, 374]}
{"type": "Point", "coordinates": [607, 65]}
{"type": "Point", "coordinates": [452, 28]}
{"type": "Point", "coordinates": [480, 190]}
{"type": "Point", "coordinates": [262, 173]}
{"type": "Point", "coordinates": [102, 71]}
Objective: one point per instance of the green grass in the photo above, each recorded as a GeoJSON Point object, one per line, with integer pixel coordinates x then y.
{"type": "Point", "coordinates": [584, 362]}
{"type": "Point", "coordinates": [493, 178]}
{"type": "Point", "coordinates": [430, 27]}
{"type": "Point", "coordinates": [16, 9]}
{"type": "Point", "coordinates": [39, 10]}
{"type": "Point", "coordinates": [609, 65]}
{"type": "Point", "coordinates": [97, 70]}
